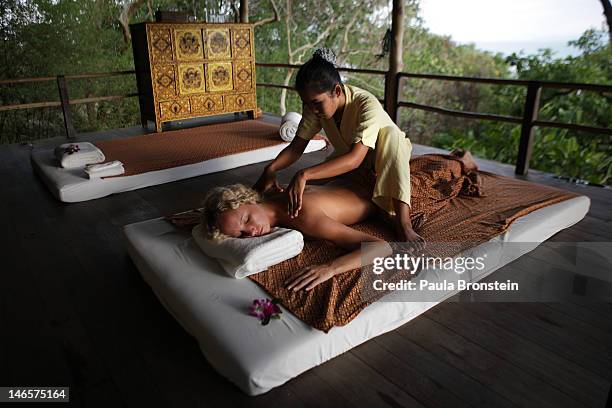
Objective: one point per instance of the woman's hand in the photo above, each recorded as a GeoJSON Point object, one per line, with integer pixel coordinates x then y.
{"type": "Point", "coordinates": [267, 182]}
{"type": "Point", "coordinates": [406, 234]}
{"type": "Point", "coordinates": [310, 277]}
{"type": "Point", "coordinates": [295, 191]}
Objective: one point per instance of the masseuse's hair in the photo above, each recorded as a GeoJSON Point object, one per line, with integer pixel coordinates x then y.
{"type": "Point", "coordinates": [219, 199]}
{"type": "Point", "coordinates": [318, 74]}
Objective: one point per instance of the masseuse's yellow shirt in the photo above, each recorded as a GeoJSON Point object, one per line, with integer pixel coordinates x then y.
{"type": "Point", "coordinates": [364, 120]}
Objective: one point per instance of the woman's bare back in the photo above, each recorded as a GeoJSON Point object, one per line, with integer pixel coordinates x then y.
{"type": "Point", "coordinates": [339, 200]}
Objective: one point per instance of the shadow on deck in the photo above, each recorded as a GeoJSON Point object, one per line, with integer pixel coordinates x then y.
{"type": "Point", "coordinates": [75, 312]}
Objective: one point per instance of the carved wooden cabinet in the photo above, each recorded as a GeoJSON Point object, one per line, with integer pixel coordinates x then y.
{"type": "Point", "coordinates": [187, 70]}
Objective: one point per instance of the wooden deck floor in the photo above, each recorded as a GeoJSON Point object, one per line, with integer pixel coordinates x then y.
{"type": "Point", "coordinates": [75, 312]}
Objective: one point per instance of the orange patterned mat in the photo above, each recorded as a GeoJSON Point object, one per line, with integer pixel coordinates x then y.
{"type": "Point", "coordinates": [158, 151]}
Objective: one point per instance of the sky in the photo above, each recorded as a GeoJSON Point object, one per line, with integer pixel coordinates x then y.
{"type": "Point", "coordinates": [511, 25]}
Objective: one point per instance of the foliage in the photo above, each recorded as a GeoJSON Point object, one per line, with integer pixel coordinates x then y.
{"type": "Point", "coordinates": [573, 154]}
{"type": "Point", "coordinates": [51, 37]}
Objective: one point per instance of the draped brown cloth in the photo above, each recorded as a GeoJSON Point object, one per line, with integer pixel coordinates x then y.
{"type": "Point", "coordinates": [449, 208]}
{"type": "Point", "coordinates": [159, 151]}
{"type": "Point", "coordinates": [453, 209]}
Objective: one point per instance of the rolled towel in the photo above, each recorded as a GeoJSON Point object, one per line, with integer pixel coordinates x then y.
{"type": "Point", "coordinates": [241, 257]}
{"type": "Point", "coordinates": [113, 168]}
{"type": "Point", "coordinates": [289, 125]}
{"type": "Point", "coordinates": [71, 155]}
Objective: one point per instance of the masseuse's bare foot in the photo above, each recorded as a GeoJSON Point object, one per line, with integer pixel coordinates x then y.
{"type": "Point", "coordinates": [466, 157]}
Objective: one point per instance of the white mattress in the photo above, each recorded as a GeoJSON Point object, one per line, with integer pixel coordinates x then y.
{"type": "Point", "coordinates": [73, 185]}
{"type": "Point", "coordinates": [213, 307]}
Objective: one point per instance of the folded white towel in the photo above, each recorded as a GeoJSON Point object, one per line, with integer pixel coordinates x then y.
{"type": "Point", "coordinates": [113, 168]}
{"type": "Point", "coordinates": [241, 257]}
{"type": "Point", "coordinates": [289, 125]}
{"type": "Point", "coordinates": [71, 155]}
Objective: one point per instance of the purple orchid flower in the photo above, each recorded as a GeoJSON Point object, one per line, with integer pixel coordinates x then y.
{"type": "Point", "coordinates": [265, 309]}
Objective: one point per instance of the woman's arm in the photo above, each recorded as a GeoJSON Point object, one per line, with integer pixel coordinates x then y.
{"type": "Point", "coordinates": [285, 158]}
{"type": "Point", "coordinates": [338, 165]}
{"type": "Point", "coordinates": [334, 167]}
{"type": "Point", "coordinates": [323, 227]}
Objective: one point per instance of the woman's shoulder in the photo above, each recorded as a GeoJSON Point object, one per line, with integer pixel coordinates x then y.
{"type": "Point", "coordinates": [363, 98]}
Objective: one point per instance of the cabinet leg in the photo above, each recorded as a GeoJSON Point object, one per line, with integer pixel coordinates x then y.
{"type": "Point", "coordinates": [255, 114]}
{"type": "Point", "coordinates": [144, 122]}
{"type": "Point", "coordinates": [158, 126]}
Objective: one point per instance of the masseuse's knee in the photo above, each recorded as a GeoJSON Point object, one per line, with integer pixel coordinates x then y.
{"type": "Point", "coordinates": [395, 150]}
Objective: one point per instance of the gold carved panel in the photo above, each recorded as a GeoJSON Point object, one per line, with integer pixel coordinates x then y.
{"type": "Point", "coordinates": [239, 102]}
{"type": "Point", "coordinates": [241, 42]}
{"type": "Point", "coordinates": [196, 69]}
{"type": "Point", "coordinates": [161, 44]}
{"type": "Point", "coordinates": [207, 104]}
{"type": "Point", "coordinates": [164, 82]}
{"type": "Point", "coordinates": [191, 78]}
{"type": "Point", "coordinates": [174, 109]}
{"type": "Point", "coordinates": [243, 76]}
{"type": "Point", "coordinates": [188, 43]}
{"type": "Point", "coordinates": [219, 76]}
{"type": "Point", "coordinates": [218, 43]}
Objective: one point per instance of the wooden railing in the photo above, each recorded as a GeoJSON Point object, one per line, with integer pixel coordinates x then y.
{"type": "Point", "coordinates": [64, 100]}
{"type": "Point", "coordinates": [341, 69]}
{"type": "Point", "coordinates": [528, 121]}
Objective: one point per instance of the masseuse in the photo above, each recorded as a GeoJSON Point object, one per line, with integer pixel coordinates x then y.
{"type": "Point", "coordinates": [363, 136]}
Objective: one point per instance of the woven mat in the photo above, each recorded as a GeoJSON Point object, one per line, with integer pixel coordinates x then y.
{"type": "Point", "coordinates": [159, 151]}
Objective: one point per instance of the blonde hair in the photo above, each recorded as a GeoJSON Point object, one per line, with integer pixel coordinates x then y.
{"type": "Point", "coordinates": [219, 199]}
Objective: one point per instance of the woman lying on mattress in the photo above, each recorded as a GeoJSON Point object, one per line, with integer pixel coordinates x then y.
{"type": "Point", "coordinates": [328, 210]}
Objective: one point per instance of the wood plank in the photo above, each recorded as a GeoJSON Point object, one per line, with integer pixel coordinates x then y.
{"type": "Point", "coordinates": [84, 241]}
{"type": "Point", "coordinates": [547, 274]}
{"type": "Point", "coordinates": [64, 266]}
{"type": "Point", "coordinates": [445, 375]}
{"type": "Point", "coordinates": [33, 351]}
{"type": "Point", "coordinates": [584, 314]}
{"type": "Point", "coordinates": [577, 383]}
{"type": "Point", "coordinates": [550, 334]}
{"type": "Point", "coordinates": [592, 225]}
{"type": "Point", "coordinates": [484, 366]}
{"type": "Point", "coordinates": [313, 391]}
{"type": "Point", "coordinates": [556, 322]}
{"type": "Point", "coordinates": [406, 377]}
{"type": "Point", "coordinates": [61, 335]}
{"type": "Point", "coordinates": [90, 380]}
{"type": "Point", "coordinates": [361, 385]}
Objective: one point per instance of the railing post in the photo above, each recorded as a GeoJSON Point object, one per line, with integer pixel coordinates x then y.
{"type": "Point", "coordinates": [397, 97]}
{"type": "Point", "coordinates": [395, 58]}
{"type": "Point", "coordinates": [392, 94]}
{"type": "Point", "coordinates": [530, 114]}
{"type": "Point", "coordinates": [244, 11]}
{"type": "Point", "coordinates": [63, 93]}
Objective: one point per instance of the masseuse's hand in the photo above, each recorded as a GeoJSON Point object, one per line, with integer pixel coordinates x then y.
{"type": "Point", "coordinates": [310, 277]}
{"type": "Point", "coordinates": [295, 191]}
{"type": "Point", "coordinates": [267, 182]}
